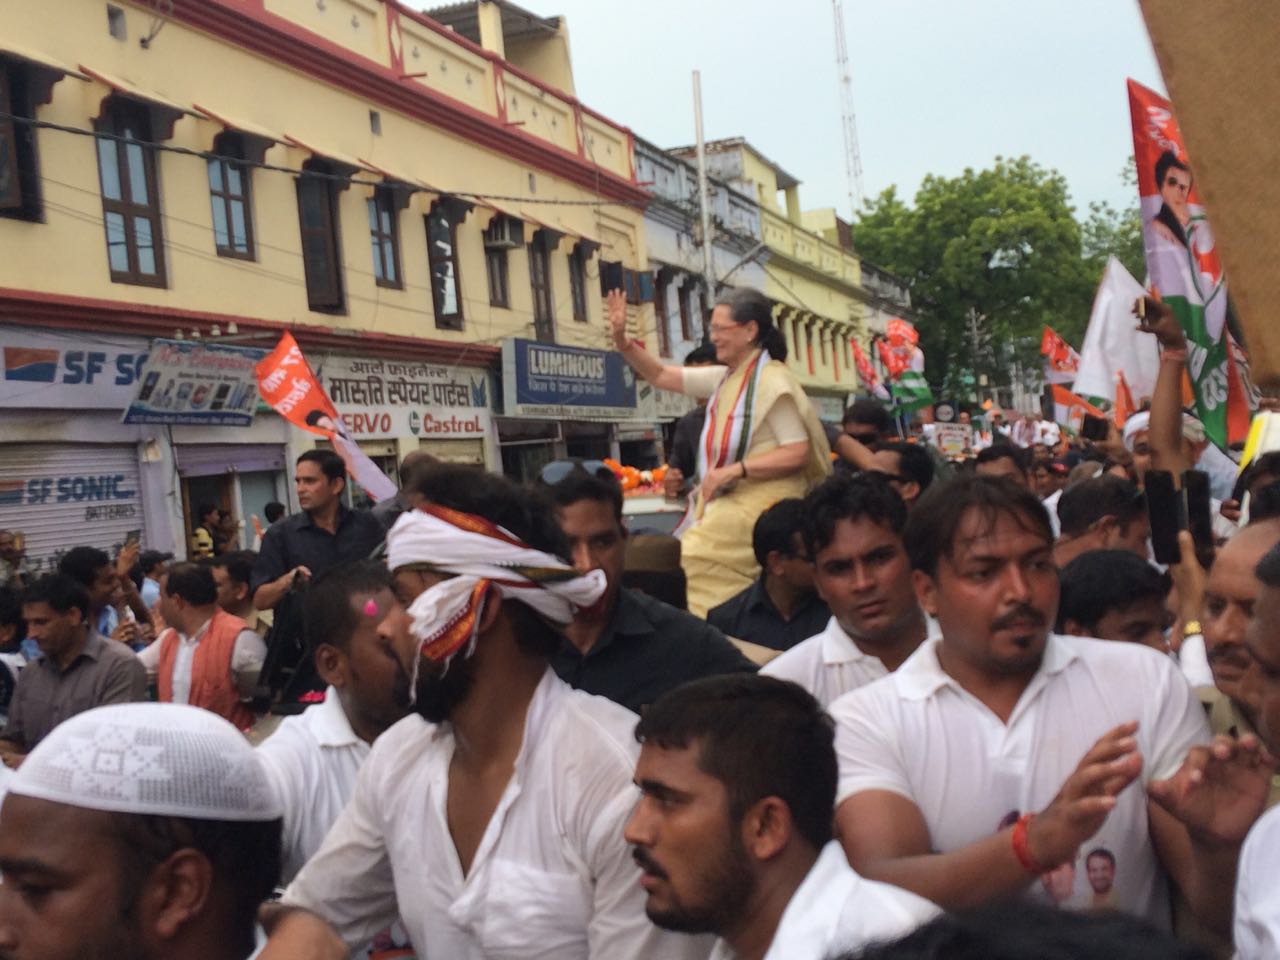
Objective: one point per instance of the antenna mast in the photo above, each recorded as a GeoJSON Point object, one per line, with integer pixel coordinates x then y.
{"type": "Point", "coordinates": [852, 156]}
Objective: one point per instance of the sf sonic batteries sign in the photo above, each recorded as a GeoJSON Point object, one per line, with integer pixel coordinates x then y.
{"type": "Point", "coordinates": [185, 381]}
{"type": "Point", "coordinates": [546, 380]}
{"type": "Point", "coordinates": [54, 371]}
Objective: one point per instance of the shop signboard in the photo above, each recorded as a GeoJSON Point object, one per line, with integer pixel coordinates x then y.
{"type": "Point", "coordinates": [191, 382]}
{"type": "Point", "coordinates": [548, 380]}
{"type": "Point", "coordinates": [57, 371]}
{"type": "Point", "coordinates": [381, 399]}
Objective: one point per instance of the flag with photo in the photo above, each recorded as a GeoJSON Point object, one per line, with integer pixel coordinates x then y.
{"type": "Point", "coordinates": [1185, 269]}
{"type": "Point", "coordinates": [1061, 362]}
{"type": "Point", "coordinates": [1069, 410]}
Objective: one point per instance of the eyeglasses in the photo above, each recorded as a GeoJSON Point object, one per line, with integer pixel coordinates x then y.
{"type": "Point", "coordinates": [724, 327]}
{"type": "Point", "coordinates": [555, 471]}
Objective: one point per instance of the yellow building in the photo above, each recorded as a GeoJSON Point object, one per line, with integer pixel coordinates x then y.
{"type": "Point", "coordinates": [408, 196]}
{"type": "Point", "coordinates": [811, 270]}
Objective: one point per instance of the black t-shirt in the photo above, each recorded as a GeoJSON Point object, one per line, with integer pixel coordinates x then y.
{"type": "Point", "coordinates": [296, 541]}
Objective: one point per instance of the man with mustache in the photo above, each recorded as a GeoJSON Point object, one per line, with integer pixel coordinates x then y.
{"type": "Point", "coordinates": [490, 819]}
{"type": "Point", "coordinates": [1000, 714]}
{"type": "Point", "coordinates": [853, 532]}
{"type": "Point", "coordinates": [733, 833]}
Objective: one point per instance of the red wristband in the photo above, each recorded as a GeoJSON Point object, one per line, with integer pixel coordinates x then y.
{"type": "Point", "coordinates": [1021, 849]}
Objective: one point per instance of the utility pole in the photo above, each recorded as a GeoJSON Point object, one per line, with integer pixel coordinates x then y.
{"type": "Point", "coordinates": [848, 121]}
{"type": "Point", "coordinates": [704, 206]}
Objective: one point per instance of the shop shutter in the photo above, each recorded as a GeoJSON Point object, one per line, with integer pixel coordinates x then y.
{"type": "Point", "coordinates": [213, 459]}
{"type": "Point", "coordinates": [66, 495]}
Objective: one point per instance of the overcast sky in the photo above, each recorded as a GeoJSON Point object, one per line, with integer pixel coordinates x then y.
{"type": "Point", "coordinates": [939, 85]}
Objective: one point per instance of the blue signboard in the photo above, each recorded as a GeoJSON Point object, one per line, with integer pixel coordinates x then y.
{"type": "Point", "coordinates": [547, 380]}
{"type": "Point", "coordinates": [187, 381]}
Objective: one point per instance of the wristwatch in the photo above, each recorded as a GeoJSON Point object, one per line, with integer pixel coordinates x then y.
{"type": "Point", "coordinates": [1192, 628]}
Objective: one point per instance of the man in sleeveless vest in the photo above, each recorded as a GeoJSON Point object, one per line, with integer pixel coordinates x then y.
{"type": "Point", "coordinates": [208, 657]}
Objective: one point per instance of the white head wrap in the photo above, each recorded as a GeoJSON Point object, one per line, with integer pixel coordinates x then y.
{"type": "Point", "coordinates": [164, 759]}
{"type": "Point", "coordinates": [1192, 429]}
{"type": "Point", "coordinates": [481, 555]}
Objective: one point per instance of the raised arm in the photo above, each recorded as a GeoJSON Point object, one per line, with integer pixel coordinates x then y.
{"type": "Point", "coordinates": [1165, 432]}
{"type": "Point", "coordinates": [646, 366]}
{"type": "Point", "coordinates": [886, 838]}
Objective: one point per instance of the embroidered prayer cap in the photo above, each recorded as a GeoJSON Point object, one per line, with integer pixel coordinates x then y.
{"type": "Point", "coordinates": [160, 759]}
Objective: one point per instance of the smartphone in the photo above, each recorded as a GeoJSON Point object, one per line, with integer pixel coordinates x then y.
{"type": "Point", "coordinates": [148, 386]}
{"type": "Point", "coordinates": [220, 396]}
{"type": "Point", "coordinates": [1094, 428]}
{"type": "Point", "coordinates": [1164, 509]}
{"type": "Point", "coordinates": [1195, 490]}
{"type": "Point", "coordinates": [133, 536]}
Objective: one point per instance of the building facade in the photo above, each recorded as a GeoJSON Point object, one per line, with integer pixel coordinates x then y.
{"type": "Point", "coordinates": [815, 282]}
{"type": "Point", "coordinates": [403, 197]}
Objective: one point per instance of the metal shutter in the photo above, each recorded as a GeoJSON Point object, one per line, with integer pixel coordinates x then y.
{"type": "Point", "coordinates": [66, 495]}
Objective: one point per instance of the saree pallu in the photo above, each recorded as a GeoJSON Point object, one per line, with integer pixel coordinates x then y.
{"type": "Point", "coordinates": [716, 552]}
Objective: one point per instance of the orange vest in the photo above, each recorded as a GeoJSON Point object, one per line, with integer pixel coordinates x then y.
{"type": "Point", "coordinates": [213, 686]}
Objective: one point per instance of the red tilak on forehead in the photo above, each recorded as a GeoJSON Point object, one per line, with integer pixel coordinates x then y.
{"type": "Point", "coordinates": [471, 523]}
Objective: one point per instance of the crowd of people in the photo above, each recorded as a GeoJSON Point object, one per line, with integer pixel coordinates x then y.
{"type": "Point", "coordinates": [871, 703]}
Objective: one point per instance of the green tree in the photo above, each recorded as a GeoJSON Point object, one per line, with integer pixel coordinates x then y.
{"type": "Point", "coordinates": [990, 257]}
{"type": "Point", "coordinates": [1108, 231]}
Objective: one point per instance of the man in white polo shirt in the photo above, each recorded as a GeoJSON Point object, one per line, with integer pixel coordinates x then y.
{"type": "Point", "coordinates": [733, 834]}
{"type": "Point", "coordinates": [999, 752]}
{"type": "Point", "coordinates": [312, 759]}
{"type": "Point", "coordinates": [853, 531]}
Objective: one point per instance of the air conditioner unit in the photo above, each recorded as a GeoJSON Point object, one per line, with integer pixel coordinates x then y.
{"type": "Point", "coordinates": [504, 233]}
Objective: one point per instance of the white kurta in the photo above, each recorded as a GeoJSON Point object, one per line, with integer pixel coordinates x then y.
{"type": "Point", "coordinates": [1257, 913]}
{"type": "Point", "coordinates": [919, 734]}
{"type": "Point", "coordinates": [828, 665]}
{"type": "Point", "coordinates": [834, 911]}
{"type": "Point", "coordinates": [552, 879]}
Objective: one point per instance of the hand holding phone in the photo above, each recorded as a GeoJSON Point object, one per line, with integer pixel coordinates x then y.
{"type": "Point", "coordinates": [1164, 510]}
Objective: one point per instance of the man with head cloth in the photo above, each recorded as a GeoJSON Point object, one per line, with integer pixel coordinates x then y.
{"type": "Point", "coordinates": [135, 831]}
{"type": "Point", "coordinates": [491, 818]}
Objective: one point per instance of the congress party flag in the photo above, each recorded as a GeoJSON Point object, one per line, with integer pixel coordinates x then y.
{"type": "Point", "coordinates": [1114, 349]}
{"type": "Point", "coordinates": [1069, 410]}
{"type": "Point", "coordinates": [1184, 266]}
{"type": "Point", "coordinates": [867, 373]}
{"type": "Point", "coordinates": [911, 392]}
{"type": "Point", "coordinates": [1061, 362]}
{"type": "Point", "coordinates": [289, 386]}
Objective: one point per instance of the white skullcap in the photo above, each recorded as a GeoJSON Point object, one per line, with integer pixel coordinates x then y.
{"type": "Point", "coordinates": [162, 759]}
{"type": "Point", "coordinates": [1192, 429]}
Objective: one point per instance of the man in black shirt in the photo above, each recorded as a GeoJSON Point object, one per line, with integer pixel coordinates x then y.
{"type": "Point", "coordinates": [630, 647]}
{"type": "Point", "coordinates": [781, 608]}
{"type": "Point", "coordinates": [323, 536]}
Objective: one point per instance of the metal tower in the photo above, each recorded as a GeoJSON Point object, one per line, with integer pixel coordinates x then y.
{"type": "Point", "coordinates": [852, 156]}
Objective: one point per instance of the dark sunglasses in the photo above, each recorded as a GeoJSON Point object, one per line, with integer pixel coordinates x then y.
{"type": "Point", "coordinates": [555, 471]}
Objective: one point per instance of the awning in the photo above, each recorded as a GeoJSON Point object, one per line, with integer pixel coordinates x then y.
{"type": "Point", "coordinates": [394, 177]}
{"type": "Point", "coordinates": [351, 164]}
{"type": "Point", "coordinates": [510, 212]}
{"type": "Point", "coordinates": [239, 126]}
{"type": "Point", "coordinates": [134, 91]}
{"type": "Point", "coordinates": [46, 70]}
{"type": "Point", "coordinates": [39, 58]}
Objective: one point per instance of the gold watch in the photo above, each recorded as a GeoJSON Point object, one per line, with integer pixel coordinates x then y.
{"type": "Point", "coordinates": [1192, 628]}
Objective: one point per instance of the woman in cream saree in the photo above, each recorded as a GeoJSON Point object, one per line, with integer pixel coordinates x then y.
{"type": "Point", "coordinates": [762, 441]}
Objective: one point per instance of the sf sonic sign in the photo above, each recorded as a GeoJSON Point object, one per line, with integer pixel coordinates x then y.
{"type": "Point", "coordinates": [56, 371]}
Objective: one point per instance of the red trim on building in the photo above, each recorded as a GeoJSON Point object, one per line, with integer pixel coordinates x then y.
{"type": "Point", "coordinates": [37, 309]}
{"type": "Point", "coordinates": [292, 46]}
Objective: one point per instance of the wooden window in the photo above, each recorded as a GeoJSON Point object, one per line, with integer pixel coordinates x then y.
{"type": "Point", "coordinates": [442, 255]}
{"type": "Point", "coordinates": [498, 269]}
{"type": "Point", "coordinates": [578, 282]}
{"type": "Point", "coordinates": [544, 321]}
{"type": "Point", "coordinates": [682, 297]}
{"type": "Point", "coordinates": [384, 237]}
{"type": "Point", "coordinates": [318, 218]}
{"type": "Point", "coordinates": [130, 197]}
{"type": "Point", "coordinates": [229, 197]}
{"type": "Point", "coordinates": [660, 313]}
{"type": "Point", "coordinates": [11, 185]}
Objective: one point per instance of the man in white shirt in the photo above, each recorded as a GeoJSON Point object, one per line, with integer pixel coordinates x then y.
{"type": "Point", "coordinates": [853, 532]}
{"type": "Point", "coordinates": [207, 657]}
{"type": "Point", "coordinates": [1000, 752]}
{"type": "Point", "coordinates": [733, 834]}
{"type": "Point", "coordinates": [1257, 907]}
{"type": "Point", "coordinates": [312, 759]}
{"type": "Point", "coordinates": [491, 818]}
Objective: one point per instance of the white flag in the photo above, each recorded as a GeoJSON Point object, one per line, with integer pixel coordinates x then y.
{"type": "Point", "coordinates": [1113, 343]}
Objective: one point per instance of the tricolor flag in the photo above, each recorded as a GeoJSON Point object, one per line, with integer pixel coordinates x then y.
{"type": "Point", "coordinates": [1184, 266]}
{"type": "Point", "coordinates": [1069, 410]}
{"type": "Point", "coordinates": [867, 373]}
{"type": "Point", "coordinates": [911, 392]}
{"type": "Point", "coordinates": [1061, 362]}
